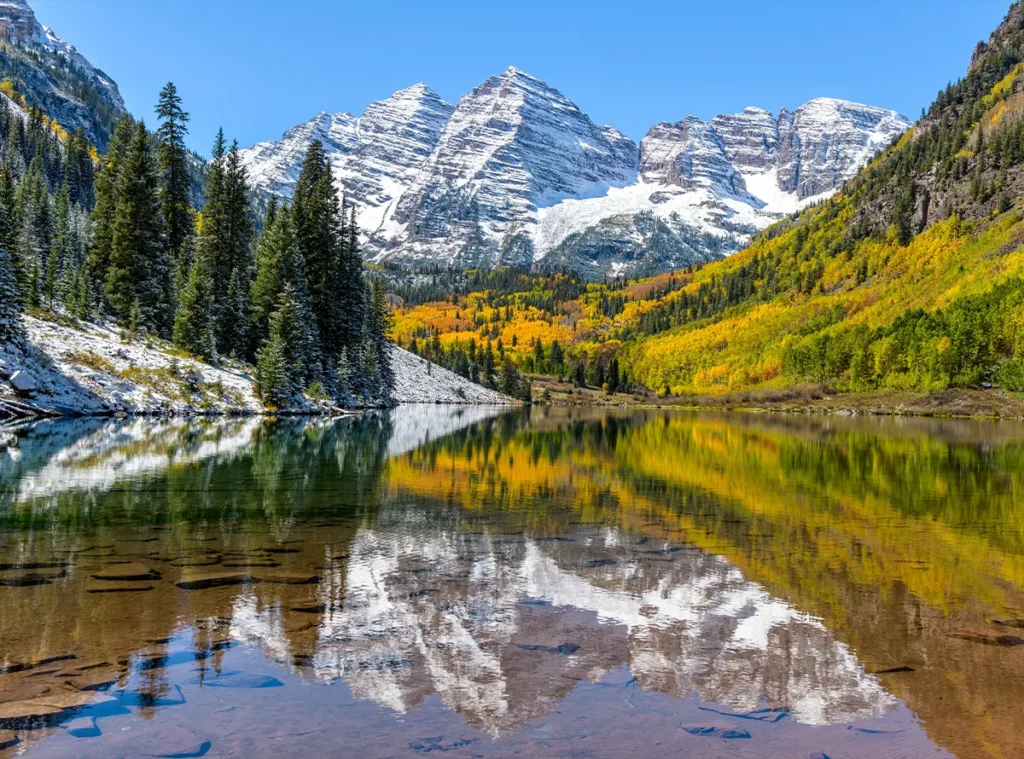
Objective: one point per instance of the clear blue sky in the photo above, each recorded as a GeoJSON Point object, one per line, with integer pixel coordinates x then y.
{"type": "Point", "coordinates": [258, 67]}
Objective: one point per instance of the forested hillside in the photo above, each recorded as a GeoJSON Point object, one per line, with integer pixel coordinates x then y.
{"type": "Point", "coordinates": [119, 238]}
{"type": "Point", "coordinates": [912, 277]}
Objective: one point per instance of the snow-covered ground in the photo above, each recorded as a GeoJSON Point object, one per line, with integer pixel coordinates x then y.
{"type": "Point", "coordinates": [89, 369]}
{"type": "Point", "coordinates": [419, 381]}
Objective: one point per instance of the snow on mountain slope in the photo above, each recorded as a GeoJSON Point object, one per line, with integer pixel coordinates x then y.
{"type": "Point", "coordinates": [374, 157]}
{"type": "Point", "coordinates": [512, 145]}
{"type": "Point", "coordinates": [713, 185]}
{"type": "Point", "coordinates": [53, 75]}
{"type": "Point", "coordinates": [517, 174]}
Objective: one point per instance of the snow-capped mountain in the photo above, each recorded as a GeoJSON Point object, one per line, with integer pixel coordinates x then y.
{"type": "Point", "coordinates": [374, 157]}
{"type": "Point", "coordinates": [52, 74]}
{"type": "Point", "coordinates": [517, 174]}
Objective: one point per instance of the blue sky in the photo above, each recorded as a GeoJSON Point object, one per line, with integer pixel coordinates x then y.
{"type": "Point", "coordinates": [257, 67]}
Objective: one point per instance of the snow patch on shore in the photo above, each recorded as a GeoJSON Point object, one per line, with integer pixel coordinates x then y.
{"type": "Point", "coordinates": [87, 368]}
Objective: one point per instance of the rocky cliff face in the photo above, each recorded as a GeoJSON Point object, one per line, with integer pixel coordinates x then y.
{"type": "Point", "coordinates": [512, 145]}
{"type": "Point", "coordinates": [516, 174]}
{"type": "Point", "coordinates": [53, 75]}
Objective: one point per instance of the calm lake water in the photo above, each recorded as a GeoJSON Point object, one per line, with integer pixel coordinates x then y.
{"type": "Point", "coordinates": [487, 583]}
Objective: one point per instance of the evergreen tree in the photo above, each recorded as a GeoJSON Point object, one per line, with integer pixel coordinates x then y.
{"type": "Point", "coordinates": [225, 240]}
{"type": "Point", "coordinates": [275, 361]}
{"type": "Point", "coordinates": [278, 266]}
{"type": "Point", "coordinates": [613, 376]}
{"type": "Point", "coordinates": [380, 345]}
{"type": "Point", "coordinates": [138, 271]}
{"type": "Point", "coordinates": [106, 192]}
{"type": "Point", "coordinates": [193, 321]}
{"type": "Point", "coordinates": [235, 257]}
{"type": "Point", "coordinates": [316, 220]}
{"type": "Point", "coordinates": [10, 225]}
{"type": "Point", "coordinates": [174, 176]}
{"type": "Point", "coordinates": [10, 299]}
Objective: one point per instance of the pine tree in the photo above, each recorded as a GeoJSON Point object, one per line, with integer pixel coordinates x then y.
{"type": "Point", "coordinates": [139, 267]}
{"type": "Point", "coordinates": [10, 299]}
{"type": "Point", "coordinates": [225, 240]}
{"type": "Point", "coordinates": [379, 328]}
{"type": "Point", "coordinates": [193, 321]}
{"type": "Point", "coordinates": [235, 257]}
{"type": "Point", "coordinates": [106, 191]}
{"type": "Point", "coordinates": [174, 176]}
{"type": "Point", "coordinates": [10, 226]}
{"type": "Point", "coordinates": [275, 361]}
{"type": "Point", "coordinates": [316, 218]}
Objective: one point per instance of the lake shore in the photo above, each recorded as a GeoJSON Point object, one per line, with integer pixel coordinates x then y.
{"type": "Point", "coordinates": [950, 403]}
{"type": "Point", "coordinates": [67, 367]}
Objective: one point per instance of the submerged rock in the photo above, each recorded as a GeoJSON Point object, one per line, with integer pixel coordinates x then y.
{"type": "Point", "coordinates": [170, 742]}
{"type": "Point", "coordinates": [25, 580]}
{"type": "Point", "coordinates": [83, 727]}
{"type": "Point", "coordinates": [118, 588]}
{"type": "Point", "coordinates": [724, 731]}
{"type": "Point", "coordinates": [42, 710]}
{"type": "Point", "coordinates": [8, 739]}
{"type": "Point", "coordinates": [218, 580]}
{"type": "Point", "coordinates": [290, 578]}
{"type": "Point", "coordinates": [565, 649]}
{"type": "Point", "coordinates": [240, 680]}
{"type": "Point", "coordinates": [130, 572]}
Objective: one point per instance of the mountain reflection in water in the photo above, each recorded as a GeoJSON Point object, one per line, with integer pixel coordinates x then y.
{"type": "Point", "coordinates": [490, 582]}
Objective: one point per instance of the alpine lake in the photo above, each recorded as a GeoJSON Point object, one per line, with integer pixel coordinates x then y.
{"type": "Point", "coordinates": [487, 582]}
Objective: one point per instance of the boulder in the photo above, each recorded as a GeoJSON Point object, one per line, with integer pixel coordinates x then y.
{"type": "Point", "coordinates": [23, 382]}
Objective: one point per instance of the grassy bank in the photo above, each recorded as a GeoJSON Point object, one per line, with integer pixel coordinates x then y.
{"type": "Point", "coordinates": [954, 402]}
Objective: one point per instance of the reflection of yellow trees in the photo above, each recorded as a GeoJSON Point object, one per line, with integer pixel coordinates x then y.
{"type": "Point", "coordinates": [797, 510]}
{"type": "Point", "coordinates": [900, 536]}
{"type": "Point", "coordinates": [844, 505]}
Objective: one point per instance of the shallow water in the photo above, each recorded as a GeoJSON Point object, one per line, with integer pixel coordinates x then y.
{"type": "Point", "coordinates": [484, 582]}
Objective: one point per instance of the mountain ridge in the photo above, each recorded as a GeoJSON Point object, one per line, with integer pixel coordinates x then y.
{"type": "Point", "coordinates": [515, 174]}
{"type": "Point", "coordinates": [54, 76]}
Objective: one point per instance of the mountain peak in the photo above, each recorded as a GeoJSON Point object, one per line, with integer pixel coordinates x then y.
{"type": "Point", "coordinates": [516, 174]}
{"type": "Point", "coordinates": [418, 91]}
{"type": "Point", "coordinates": [47, 79]}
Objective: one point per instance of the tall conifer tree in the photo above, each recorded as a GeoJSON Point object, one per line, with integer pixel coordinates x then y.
{"type": "Point", "coordinates": [139, 276]}
{"type": "Point", "coordinates": [174, 175]}
{"type": "Point", "coordinates": [106, 191]}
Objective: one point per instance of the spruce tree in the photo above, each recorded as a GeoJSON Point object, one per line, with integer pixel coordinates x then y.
{"type": "Point", "coordinates": [10, 225]}
{"type": "Point", "coordinates": [235, 257]}
{"type": "Point", "coordinates": [380, 345]}
{"type": "Point", "coordinates": [174, 176]}
{"type": "Point", "coordinates": [316, 218]}
{"type": "Point", "coordinates": [225, 240]}
{"type": "Point", "coordinates": [106, 189]}
{"type": "Point", "coordinates": [279, 266]}
{"type": "Point", "coordinates": [10, 299]}
{"type": "Point", "coordinates": [138, 272]}
{"type": "Point", "coordinates": [275, 361]}
{"type": "Point", "coordinates": [193, 321]}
